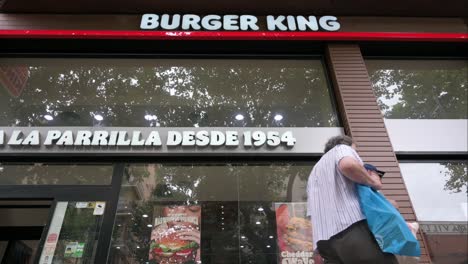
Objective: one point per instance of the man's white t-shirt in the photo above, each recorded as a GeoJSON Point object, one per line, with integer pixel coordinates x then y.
{"type": "Point", "coordinates": [332, 199]}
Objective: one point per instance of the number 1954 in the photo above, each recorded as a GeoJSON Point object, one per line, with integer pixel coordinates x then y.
{"type": "Point", "coordinates": [271, 138]}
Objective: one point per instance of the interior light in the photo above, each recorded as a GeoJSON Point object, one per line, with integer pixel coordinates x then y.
{"type": "Point", "coordinates": [242, 246]}
{"type": "Point", "coordinates": [270, 236]}
{"type": "Point", "coordinates": [98, 117]}
{"type": "Point", "coordinates": [48, 117]}
{"type": "Point", "coordinates": [145, 215]}
{"type": "Point", "coordinates": [239, 117]}
{"type": "Point", "coordinates": [138, 246]}
{"type": "Point", "coordinates": [150, 225]}
{"type": "Point", "coordinates": [260, 209]}
{"type": "Point", "coordinates": [117, 247]}
{"type": "Point", "coordinates": [150, 117]}
{"type": "Point", "coordinates": [257, 223]}
{"type": "Point", "coordinates": [243, 237]}
{"type": "Point", "coordinates": [278, 117]}
{"type": "Point", "coordinates": [268, 246]}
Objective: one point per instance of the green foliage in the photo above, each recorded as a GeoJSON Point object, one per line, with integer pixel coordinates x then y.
{"type": "Point", "coordinates": [457, 176]}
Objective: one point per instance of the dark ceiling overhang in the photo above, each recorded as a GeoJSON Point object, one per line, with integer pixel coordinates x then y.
{"type": "Point", "coordinates": [408, 8]}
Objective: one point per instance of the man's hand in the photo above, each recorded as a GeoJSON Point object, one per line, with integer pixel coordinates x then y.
{"type": "Point", "coordinates": [354, 171]}
{"type": "Point", "coordinates": [375, 180]}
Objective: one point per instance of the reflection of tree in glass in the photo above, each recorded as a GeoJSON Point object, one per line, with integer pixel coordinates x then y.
{"type": "Point", "coordinates": [220, 181]}
{"type": "Point", "coordinates": [69, 174]}
{"type": "Point", "coordinates": [423, 89]}
{"type": "Point", "coordinates": [177, 92]}
{"type": "Point", "coordinates": [457, 175]}
{"type": "Point", "coordinates": [139, 242]}
{"type": "Point", "coordinates": [79, 225]}
{"type": "Point", "coordinates": [259, 247]}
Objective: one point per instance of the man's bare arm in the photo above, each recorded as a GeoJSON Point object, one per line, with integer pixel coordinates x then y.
{"type": "Point", "coordinates": [353, 170]}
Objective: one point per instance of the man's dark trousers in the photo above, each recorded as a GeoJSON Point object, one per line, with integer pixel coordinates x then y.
{"type": "Point", "coordinates": [354, 245]}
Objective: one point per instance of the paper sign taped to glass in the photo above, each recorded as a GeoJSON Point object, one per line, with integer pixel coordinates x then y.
{"type": "Point", "coordinates": [294, 232]}
{"type": "Point", "coordinates": [74, 250]}
{"type": "Point", "coordinates": [175, 237]}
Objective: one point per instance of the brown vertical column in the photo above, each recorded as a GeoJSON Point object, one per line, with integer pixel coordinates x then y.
{"type": "Point", "coordinates": [364, 122]}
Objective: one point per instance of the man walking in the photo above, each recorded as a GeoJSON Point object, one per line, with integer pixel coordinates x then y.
{"type": "Point", "coordinates": [340, 231]}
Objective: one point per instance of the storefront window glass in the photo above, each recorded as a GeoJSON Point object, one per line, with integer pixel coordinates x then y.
{"type": "Point", "coordinates": [55, 174]}
{"type": "Point", "coordinates": [165, 92]}
{"type": "Point", "coordinates": [423, 97]}
{"type": "Point", "coordinates": [211, 213]}
{"type": "Point", "coordinates": [420, 89]}
{"type": "Point", "coordinates": [438, 192]}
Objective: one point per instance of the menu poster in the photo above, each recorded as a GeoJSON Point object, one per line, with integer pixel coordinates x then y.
{"type": "Point", "coordinates": [175, 237]}
{"type": "Point", "coordinates": [294, 232]}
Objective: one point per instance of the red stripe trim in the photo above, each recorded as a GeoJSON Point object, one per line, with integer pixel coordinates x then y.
{"type": "Point", "coordinates": [230, 35]}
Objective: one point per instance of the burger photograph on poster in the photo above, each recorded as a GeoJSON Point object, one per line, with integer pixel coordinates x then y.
{"type": "Point", "coordinates": [294, 232]}
{"type": "Point", "coordinates": [175, 237]}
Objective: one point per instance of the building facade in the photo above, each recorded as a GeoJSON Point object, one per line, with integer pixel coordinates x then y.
{"type": "Point", "coordinates": [181, 133]}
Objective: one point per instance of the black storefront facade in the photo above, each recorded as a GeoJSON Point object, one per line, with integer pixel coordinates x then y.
{"type": "Point", "coordinates": [114, 127]}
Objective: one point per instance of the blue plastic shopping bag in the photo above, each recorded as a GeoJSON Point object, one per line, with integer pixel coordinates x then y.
{"type": "Point", "coordinates": [386, 223]}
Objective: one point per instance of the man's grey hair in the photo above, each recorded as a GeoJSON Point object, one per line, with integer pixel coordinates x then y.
{"type": "Point", "coordinates": [338, 140]}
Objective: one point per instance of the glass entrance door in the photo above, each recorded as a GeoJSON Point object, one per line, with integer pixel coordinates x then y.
{"type": "Point", "coordinates": [22, 223]}
{"type": "Point", "coordinates": [72, 236]}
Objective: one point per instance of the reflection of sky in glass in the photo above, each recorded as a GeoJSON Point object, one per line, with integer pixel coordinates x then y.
{"type": "Point", "coordinates": [425, 183]}
{"type": "Point", "coordinates": [392, 101]}
{"type": "Point", "coordinates": [382, 98]}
